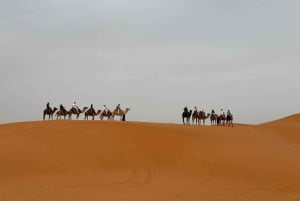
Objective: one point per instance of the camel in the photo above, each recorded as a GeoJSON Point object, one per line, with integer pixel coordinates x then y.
{"type": "Point", "coordinates": [92, 113]}
{"type": "Point", "coordinates": [119, 112]}
{"type": "Point", "coordinates": [229, 120]}
{"type": "Point", "coordinates": [76, 112]}
{"type": "Point", "coordinates": [195, 117]}
{"type": "Point", "coordinates": [222, 119]}
{"type": "Point", "coordinates": [217, 119]}
{"type": "Point", "coordinates": [186, 114]}
{"type": "Point", "coordinates": [202, 117]}
{"type": "Point", "coordinates": [213, 118]}
{"type": "Point", "coordinates": [60, 113]}
{"type": "Point", "coordinates": [49, 112]}
{"type": "Point", "coordinates": [107, 114]}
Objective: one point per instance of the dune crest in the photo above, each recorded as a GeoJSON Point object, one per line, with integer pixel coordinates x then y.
{"type": "Point", "coordinates": [295, 118]}
{"type": "Point", "coordinates": [114, 161]}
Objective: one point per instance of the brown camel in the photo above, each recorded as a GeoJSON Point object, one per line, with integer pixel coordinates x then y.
{"type": "Point", "coordinates": [92, 113]}
{"type": "Point", "coordinates": [186, 115]}
{"type": "Point", "coordinates": [229, 120]}
{"type": "Point", "coordinates": [202, 117]}
{"type": "Point", "coordinates": [107, 114]}
{"type": "Point", "coordinates": [76, 112]}
{"type": "Point", "coordinates": [49, 112]}
{"type": "Point", "coordinates": [195, 117]}
{"type": "Point", "coordinates": [213, 118]}
{"type": "Point", "coordinates": [119, 112]}
{"type": "Point", "coordinates": [222, 119]}
{"type": "Point", "coordinates": [217, 119]}
{"type": "Point", "coordinates": [60, 113]}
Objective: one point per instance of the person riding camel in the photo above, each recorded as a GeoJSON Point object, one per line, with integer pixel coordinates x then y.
{"type": "Point", "coordinates": [195, 109]}
{"type": "Point", "coordinates": [93, 110]}
{"type": "Point", "coordinates": [48, 106]}
{"type": "Point", "coordinates": [75, 106]}
{"type": "Point", "coordinates": [62, 108]}
{"type": "Point", "coordinates": [185, 109]}
{"type": "Point", "coordinates": [228, 113]}
{"type": "Point", "coordinates": [222, 113]}
{"type": "Point", "coordinates": [202, 114]}
{"type": "Point", "coordinates": [105, 109]}
{"type": "Point", "coordinates": [118, 108]}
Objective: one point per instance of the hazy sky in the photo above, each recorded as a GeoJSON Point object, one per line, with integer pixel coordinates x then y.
{"type": "Point", "coordinates": [154, 56]}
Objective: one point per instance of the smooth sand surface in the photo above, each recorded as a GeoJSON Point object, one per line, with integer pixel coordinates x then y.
{"type": "Point", "coordinates": [71, 160]}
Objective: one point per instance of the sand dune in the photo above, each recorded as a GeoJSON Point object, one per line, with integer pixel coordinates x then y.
{"type": "Point", "coordinates": [135, 161]}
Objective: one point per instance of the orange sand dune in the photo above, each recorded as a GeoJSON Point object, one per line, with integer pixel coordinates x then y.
{"type": "Point", "coordinates": [134, 161]}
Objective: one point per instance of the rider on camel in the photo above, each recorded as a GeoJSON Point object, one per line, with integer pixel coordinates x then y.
{"type": "Point", "coordinates": [105, 109]}
{"type": "Point", "coordinates": [48, 106]}
{"type": "Point", "coordinates": [229, 113]}
{"type": "Point", "coordinates": [202, 113]}
{"type": "Point", "coordinates": [62, 108]}
{"type": "Point", "coordinates": [118, 107]}
{"type": "Point", "coordinates": [93, 110]}
{"type": "Point", "coordinates": [75, 106]}
{"type": "Point", "coordinates": [185, 109]}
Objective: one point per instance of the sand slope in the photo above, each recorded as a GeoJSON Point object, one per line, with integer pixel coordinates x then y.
{"type": "Point", "coordinates": [124, 161]}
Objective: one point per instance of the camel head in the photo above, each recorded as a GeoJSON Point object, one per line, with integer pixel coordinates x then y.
{"type": "Point", "coordinates": [84, 109]}
{"type": "Point", "coordinates": [126, 110]}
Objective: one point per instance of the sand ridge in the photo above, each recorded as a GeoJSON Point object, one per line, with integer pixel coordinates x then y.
{"type": "Point", "coordinates": [113, 160]}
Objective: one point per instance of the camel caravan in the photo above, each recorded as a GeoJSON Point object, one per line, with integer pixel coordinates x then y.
{"type": "Point", "coordinates": [198, 116]}
{"type": "Point", "coordinates": [63, 113]}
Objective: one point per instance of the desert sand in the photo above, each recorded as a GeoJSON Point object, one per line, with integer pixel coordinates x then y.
{"type": "Point", "coordinates": [71, 160]}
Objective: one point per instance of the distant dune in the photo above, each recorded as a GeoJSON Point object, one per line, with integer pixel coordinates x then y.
{"type": "Point", "coordinates": [135, 161]}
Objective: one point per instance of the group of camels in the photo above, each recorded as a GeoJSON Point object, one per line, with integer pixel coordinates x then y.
{"type": "Point", "coordinates": [88, 112]}
{"type": "Point", "coordinates": [215, 119]}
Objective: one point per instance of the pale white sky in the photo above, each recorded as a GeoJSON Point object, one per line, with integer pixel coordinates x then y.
{"type": "Point", "coordinates": [154, 56]}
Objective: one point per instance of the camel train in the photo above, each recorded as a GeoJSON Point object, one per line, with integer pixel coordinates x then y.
{"type": "Point", "coordinates": [215, 119]}
{"type": "Point", "coordinates": [62, 113]}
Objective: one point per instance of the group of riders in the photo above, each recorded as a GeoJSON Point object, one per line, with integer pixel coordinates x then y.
{"type": "Point", "coordinates": [185, 109]}
{"type": "Point", "coordinates": [76, 108]}
{"type": "Point", "coordinates": [213, 115]}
